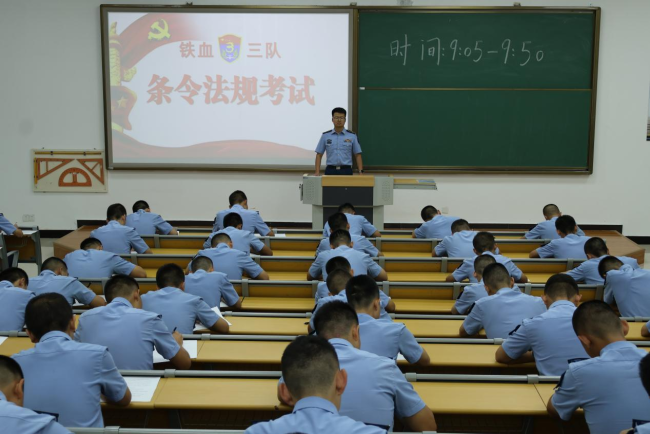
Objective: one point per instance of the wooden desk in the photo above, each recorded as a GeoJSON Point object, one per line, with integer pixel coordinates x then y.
{"type": "Point", "coordinates": [13, 346]}
{"type": "Point", "coordinates": [405, 305]}
{"type": "Point", "coordinates": [435, 328]}
{"type": "Point", "coordinates": [466, 356]}
{"type": "Point", "coordinates": [140, 405]}
{"type": "Point", "coordinates": [635, 332]}
{"type": "Point", "coordinates": [272, 304]}
{"type": "Point", "coordinates": [250, 352]}
{"type": "Point", "coordinates": [546, 390]}
{"type": "Point", "coordinates": [267, 326]}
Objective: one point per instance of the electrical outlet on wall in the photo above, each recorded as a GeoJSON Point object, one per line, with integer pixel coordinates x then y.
{"type": "Point", "coordinates": [445, 210]}
{"type": "Point", "coordinates": [29, 218]}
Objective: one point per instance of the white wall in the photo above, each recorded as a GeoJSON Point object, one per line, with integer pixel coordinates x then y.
{"type": "Point", "coordinates": [50, 96]}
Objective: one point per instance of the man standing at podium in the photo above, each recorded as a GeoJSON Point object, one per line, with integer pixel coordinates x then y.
{"type": "Point", "coordinates": [339, 144]}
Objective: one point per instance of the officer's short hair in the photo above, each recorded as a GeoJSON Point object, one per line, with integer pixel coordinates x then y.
{"type": "Point", "coordinates": [483, 242]}
{"type": "Point", "coordinates": [141, 204]}
{"type": "Point", "coordinates": [120, 286]}
{"type": "Point", "coordinates": [644, 373]}
{"type": "Point", "coordinates": [232, 219]}
{"type": "Point", "coordinates": [496, 276]}
{"type": "Point", "coordinates": [339, 237]}
{"type": "Point", "coordinates": [13, 275]}
{"type": "Point", "coordinates": [309, 365]}
{"type": "Point", "coordinates": [338, 220]}
{"type": "Point", "coordinates": [596, 246]}
{"type": "Point", "coordinates": [220, 238]}
{"type": "Point", "coordinates": [460, 225]}
{"type": "Point", "coordinates": [338, 262]}
{"type": "Point", "coordinates": [53, 264]}
{"type": "Point", "coordinates": [335, 319]}
{"type": "Point", "coordinates": [482, 261]}
{"type": "Point", "coordinates": [337, 280]}
{"type": "Point", "coordinates": [10, 371]}
{"type": "Point", "coordinates": [339, 110]}
{"type": "Point", "coordinates": [115, 212]}
{"type": "Point", "coordinates": [201, 263]}
{"type": "Point", "coordinates": [346, 207]}
{"type": "Point", "coordinates": [561, 285]}
{"type": "Point", "coordinates": [428, 212]}
{"type": "Point", "coordinates": [170, 275]}
{"type": "Point", "coordinates": [361, 291]}
{"type": "Point", "coordinates": [607, 264]}
{"type": "Point", "coordinates": [237, 197]}
{"type": "Point", "coordinates": [47, 313]}
{"type": "Point", "coordinates": [550, 210]}
{"type": "Point", "coordinates": [596, 318]}
{"type": "Point", "coordinates": [90, 243]}
{"type": "Point", "coordinates": [565, 224]}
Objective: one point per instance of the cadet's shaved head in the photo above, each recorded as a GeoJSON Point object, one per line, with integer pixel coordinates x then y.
{"type": "Point", "coordinates": [170, 275]}
{"type": "Point", "coordinates": [340, 237]}
{"type": "Point", "coordinates": [338, 220]}
{"type": "Point", "coordinates": [561, 285]}
{"type": "Point", "coordinates": [597, 318]}
{"type": "Point", "coordinates": [361, 291]}
{"type": "Point", "coordinates": [596, 246]}
{"type": "Point", "coordinates": [337, 280]}
{"type": "Point", "coordinates": [232, 219]}
{"type": "Point", "coordinates": [496, 276]}
{"type": "Point", "coordinates": [220, 238]}
{"type": "Point", "coordinates": [608, 264]}
{"type": "Point", "coordinates": [201, 263]}
{"type": "Point", "coordinates": [338, 262]}
{"type": "Point", "coordinates": [459, 225]}
{"type": "Point", "coordinates": [53, 264]}
{"type": "Point", "coordinates": [483, 261]}
{"type": "Point", "coordinates": [335, 320]}
{"type": "Point", "coordinates": [120, 286]}
{"type": "Point", "coordinates": [10, 371]}
{"type": "Point", "coordinates": [428, 212]}
{"type": "Point", "coordinates": [309, 365]}
{"type": "Point", "coordinates": [483, 242]}
{"type": "Point", "coordinates": [551, 210]}
{"type": "Point", "coordinates": [46, 313]}
{"type": "Point", "coordinates": [565, 224]}
{"type": "Point", "coordinates": [13, 275]}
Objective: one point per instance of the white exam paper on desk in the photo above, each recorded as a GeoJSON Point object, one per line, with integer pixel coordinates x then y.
{"type": "Point", "coordinates": [216, 310]}
{"type": "Point", "coordinates": [2, 339]}
{"type": "Point", "coordinates": [142, 388]}
{"type": "Point", "coordinates": [400, 357]}
{"type": "Point", "coordinates": [190, 346]}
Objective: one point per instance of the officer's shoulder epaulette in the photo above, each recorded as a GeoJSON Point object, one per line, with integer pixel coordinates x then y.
{"type": "Point", "coordinates": [350, 131]}
{"type": "Point", "coordinates": [328, 131]}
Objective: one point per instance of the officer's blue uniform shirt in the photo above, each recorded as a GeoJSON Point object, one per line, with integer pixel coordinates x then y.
{"type": "Point", "coordinates": [119, 239]}
{"type": "Point", "coordinates": [466, 269]}
{"type": "Point", "coordinates": [546, 231]}
{"type": "Point", "coordinates": [339, 147]}
{"type": "Point", "coordinates": [241, 240]}
{"type": "Point", "coordinates": [388, 339]}
{"type": "Point", "coordinates": [607, 387]}
{"type": "Point", "coordinates": [211, 287]}
{"type": "Point", "coordinates": [360, 243]}
{"type": "Point", "coordinates": [572, 246]}
{"type": "Point", "coordinates": [458, 245]}
{"type": "Point", "coordinates": [502, 312]}
{"type": "Point", "coordinates": [130, 334]}
{"type": "Point", "coordinates": [17, 419]}
{"type": "Point", "coordinates": [147, 223]}
{"type": "Point", "coordinates": [13, 302]}
{"type": "Point", "coordinates": [642, 429]}
{"type": "Point", "coordinates": [95, 263]}
{"type": "Point", "coordinates": [587, 271]}
{"type": "Point", "coordinates": [69, 287]}
{"type": "Point", "coordinates": [376, 388]}
{"type": "Point", "coordinates": [231, 262]}
{"type": "Point", "coordinates": [630, 288]}
{"type": "Point", "coordinates": [359, 225]}
{"type": "Point", "coordinates": [322, 291]}
{"type": "Point", "coordinates": [252, 221]}
{"type": "Point", "coordinates": [65, 377]}
{"type": "Point", "coordinates": [551, 338]}
{"type": "Point", "coordinates": [341, 296]}
{"type": "Point", "coordinates": [179, 310]}
{"type": "Point", "coordinates": [313, 415]}
{"type": "Point", "coordinates": [438, 227]}
{"type": "Point", "coordinates": [468, 297]}
{"type": "Point", "coordinates": [6, 226]}
{"type": "Point", "coordinates": [360, 262]}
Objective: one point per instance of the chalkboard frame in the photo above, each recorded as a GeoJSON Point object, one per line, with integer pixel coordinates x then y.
{"type": "Point", "coordinates": [588, 170]}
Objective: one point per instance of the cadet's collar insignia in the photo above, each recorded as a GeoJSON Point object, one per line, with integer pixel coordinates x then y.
{"type": "Point", "coordinates": [328, 131]}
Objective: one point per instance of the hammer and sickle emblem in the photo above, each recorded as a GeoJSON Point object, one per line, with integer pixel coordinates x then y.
{"type": "Point", "coordinates": [161, 32]}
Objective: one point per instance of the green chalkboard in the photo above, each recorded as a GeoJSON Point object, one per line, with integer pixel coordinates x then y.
{"type": "Point", "coordinates": [503, 89]}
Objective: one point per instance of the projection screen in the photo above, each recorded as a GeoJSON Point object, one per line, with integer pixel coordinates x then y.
{"type": "Point", "coordinates": [216, 88]}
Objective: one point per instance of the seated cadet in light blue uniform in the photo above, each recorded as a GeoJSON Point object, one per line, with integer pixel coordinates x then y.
{"type": "Point", "coordinates": [116, 237]}
{"type": "Point", "coordinates": [342, 246]}
{"type": "Point", "coordinates": [547, 339]}
{"type": "Point", "coordinates": [384, 338]}
{"type": "Point", "coordinates": [476, 291]}
{"type": "Point", "coordinates": [359, 225]}
{"type": "Point", "coordinates": [459, 243]}
{"type": "Point", "coordinates": [129, 332]}
{"type": "Point", "coordinates": [147, 223]}
{"type": "Point", "coordinates": [607, 386]}
{"type": "Point", "coordinates": [359, 242]}
{"type": "Point", "coordinates": [313, 384]}
{"type": "Point", "coordinates": [322, 290]}
{"type": "Point", "coordinates": [233, 263]}
{"type": "Point", "coordinates": [435, 224]}
{"type": "Point", "coordinates": [13, 417]}
{"type": "Point", "coordinates": [628, 287]}
{"type": "Point", "coordinates": [241, 240]}
{"type": "Point", "coordinates": [92, 261]}
{"type": "Point", "coordinates": [13, 299]}
{"type": "Point", "coordinates": [644, 372]}
{"type": "Point", "coordinates": [484, 244]}
{"type": "Point", "coordinates": [596, 250]}
{"type": "Point", "coordinates": [377, 391]}
{"type": "Point", "coordinates": [546, 229]}
{"type": "Point", "coordinates": [65, 377]}
{"type": "Point", "coordinates": [9, 228]}
{"type": "Point", "coordinates": [339, 144]}
{"type": "Point", "coordinates": [503, 310]}
{"type": "Point", "coordinates": [569, 245]}
{"type": "Point", "coordinates": [212, 286]}
{"type": "Point", "coordinates": [180, 311]}
{"type": "Point", "coordinates": [253, 222]}
{"type": "Point", "coordinates": [54, 278]}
